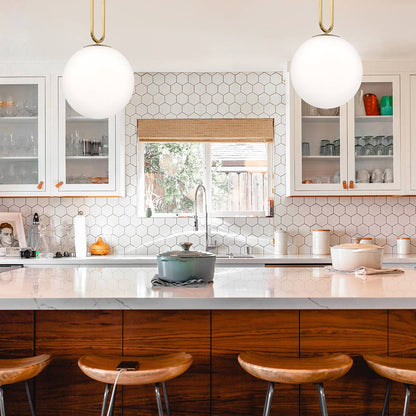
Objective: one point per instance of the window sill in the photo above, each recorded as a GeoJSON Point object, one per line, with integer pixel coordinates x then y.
{"type": "Point", "coordinates": [230, 214]}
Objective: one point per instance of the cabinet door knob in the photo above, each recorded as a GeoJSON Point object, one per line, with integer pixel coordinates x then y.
{"type": "Point", "coordinates": [59, 184]}
{"type": "Point", "coordinates": [344, 184]}
{"type": "Point", "coordinates": [351, 184]}
{"type": "Point", "coordinates": [40, 185]}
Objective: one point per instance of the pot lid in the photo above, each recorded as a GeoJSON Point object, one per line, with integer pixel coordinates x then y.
{"type": "Point", "coordinates": [186, 252]}
{"type": "Point", "coordinates": [353, 246]}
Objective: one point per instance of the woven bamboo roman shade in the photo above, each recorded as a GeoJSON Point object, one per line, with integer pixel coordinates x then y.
{"type": "Point", "coordinates": [252, 130]}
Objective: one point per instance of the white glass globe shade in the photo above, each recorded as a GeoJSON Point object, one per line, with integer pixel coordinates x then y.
{"type": "Point", "coordinates": [98, 81]}
{"type": "Point", "coordinates": [326, 71]}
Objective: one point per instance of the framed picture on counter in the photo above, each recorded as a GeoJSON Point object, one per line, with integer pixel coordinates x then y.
{"type": "Point", "coordinates": [12, 233]}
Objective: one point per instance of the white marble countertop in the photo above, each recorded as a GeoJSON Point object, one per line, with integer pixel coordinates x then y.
{"type": "Point", "coordinates": [233, 288]}
{"type": "Point", "coordinates": [129, 261]}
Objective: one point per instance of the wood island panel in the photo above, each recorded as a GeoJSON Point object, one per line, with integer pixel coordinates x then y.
{"type": "Point", "coordinates": [402, 343]}
{"type": "Point", "coordinates": [158, 332]}
{"type": "Point", "coordinates": [234, 392]}
{"type": "Point", "coordinates": [16, 340]}
{"type": "Point", "coordinates": [62, 389]}
{"type": "Point", "coordinates": [353, 332]}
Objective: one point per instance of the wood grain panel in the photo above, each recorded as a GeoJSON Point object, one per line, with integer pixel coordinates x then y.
{"type": "Point", "coordinates": [353, 332]}
{"type": "Point", "coordinates": [16, 340]}
{"type": "Point", "coordinates": [63, 389]}
{"type": "Point", "coordinates": [153, 332]}
{"type": "Point", "coordinates": [234, 392]}
{"type": "Point", "coordinates": [402, 343]}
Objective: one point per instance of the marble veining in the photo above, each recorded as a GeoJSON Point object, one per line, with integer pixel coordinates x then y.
{"type": "Point", "coordinates": [233, 288]}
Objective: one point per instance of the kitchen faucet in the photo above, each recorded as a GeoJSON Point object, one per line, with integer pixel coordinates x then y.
{"type": "Point", "coordinates": [196, 222]}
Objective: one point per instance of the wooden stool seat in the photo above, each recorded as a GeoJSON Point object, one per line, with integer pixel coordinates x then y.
{"type": "Point", "coordinates": [398, 369]}
{"type": "Point", "coordinates": [14, 370]}
{"type": "Point", "coordinates": [276, 369]}
{"type": "Point", "coordinates": [153, 369]}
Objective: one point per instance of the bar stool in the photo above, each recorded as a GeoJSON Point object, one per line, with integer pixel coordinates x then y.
{"type": "Point", "coordinates": [276, 369]}
{"type": "Point", "coordinates": [402, 370]}
{"type": "Point", "coordinates": [13, 370]}
{"type": "Point", "coordinates": [152, 370]}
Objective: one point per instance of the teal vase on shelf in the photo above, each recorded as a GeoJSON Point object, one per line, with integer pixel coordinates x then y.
{"type": "Point", "coordinates": [386, 105]}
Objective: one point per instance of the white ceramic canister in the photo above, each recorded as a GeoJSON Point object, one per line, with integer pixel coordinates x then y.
{"type": "Point", "coordinates": [320, 241]}
{"type": "Point", "coordinates": [280, 241]}
{"type": "Point", "coordinates": [403, 245]}
{"type": "Point", "coordinates": [367, 240]}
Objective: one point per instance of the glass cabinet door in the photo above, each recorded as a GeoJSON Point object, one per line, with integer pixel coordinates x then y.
{"type": "Point", "coordinates": [86, 151]}
{"type": "Point", "coordinates": [22, 135]}
{"type": "Point", "coordinates": [321, 148]}
{"type": "Point", "coordinates": [374, 135]}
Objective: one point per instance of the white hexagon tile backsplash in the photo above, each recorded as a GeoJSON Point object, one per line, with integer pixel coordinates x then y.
{"type": "Point", "coordinates": [217, 95]}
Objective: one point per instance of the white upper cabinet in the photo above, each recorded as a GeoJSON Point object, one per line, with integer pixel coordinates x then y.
{"type": "Point", "coordinates": [47, 149]}
{"type": "Point", "coordinates": [90, 153]}
{"type": "Point", "coordinates": [351, 150]}
{"type": "Point", "coordinates": [23, 136]}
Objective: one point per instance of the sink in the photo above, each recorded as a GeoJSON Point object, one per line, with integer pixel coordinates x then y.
{"type": "Point", "coordinates": [234, 256]}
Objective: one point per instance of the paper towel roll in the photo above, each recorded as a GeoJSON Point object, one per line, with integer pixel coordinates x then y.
{"type": "Point", "coordinates": [80, 233]}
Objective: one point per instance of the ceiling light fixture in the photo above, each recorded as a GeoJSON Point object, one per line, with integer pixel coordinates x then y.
{"type": "Point", "coordinates": [98, 80]}
{"type": "Point", "coordinates": [326, 71]}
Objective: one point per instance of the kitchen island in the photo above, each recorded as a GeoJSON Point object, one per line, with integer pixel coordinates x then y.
{"type": "Point", "coordinates": [291, 311]}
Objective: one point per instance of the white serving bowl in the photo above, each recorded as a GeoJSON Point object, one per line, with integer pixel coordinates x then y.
{"type": "Point", "coordinates": [348, 257]}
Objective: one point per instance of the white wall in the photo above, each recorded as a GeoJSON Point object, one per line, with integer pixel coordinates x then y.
{"type": "Point", "coordinates": [202, 35]}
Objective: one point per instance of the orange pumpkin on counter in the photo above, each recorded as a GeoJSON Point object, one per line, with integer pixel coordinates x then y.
{"type": "Point", "coordinates": [99, 247]}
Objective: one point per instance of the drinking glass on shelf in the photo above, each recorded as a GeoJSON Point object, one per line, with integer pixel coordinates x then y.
{"type": "Point", "coordinates": [379, 148]}
{"type": "Point", "coordinates": [358, 149]}
{"type": "Point", "coordinates": [305, 149]}
{"type": "Point", "coordinates": [31, 108]}
{"type": "Point", "coordinates": [10, 107]}
{"type": "Point", "coordinates": [336, 178]}
{"type": "Point", "coordinates": [337, 144]}
{"type": "Point", "coordinates": [322, 149]}
{"type": "Point", "coordinates": [330, 149]}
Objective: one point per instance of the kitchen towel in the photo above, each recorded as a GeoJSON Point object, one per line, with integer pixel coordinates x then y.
{"type": "Point", "coordinates": [158, 282]}
{"type": "Point", "coordinates": [362, 271]}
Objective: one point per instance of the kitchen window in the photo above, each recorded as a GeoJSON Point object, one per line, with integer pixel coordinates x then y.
{"type": "Point", "coordinates": [232, 158]}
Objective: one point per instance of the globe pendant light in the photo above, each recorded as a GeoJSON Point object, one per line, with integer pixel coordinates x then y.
{"type": "Point", "coordinates": [326, 71]}
{"type": "Point", "coordinates": [98, 80]}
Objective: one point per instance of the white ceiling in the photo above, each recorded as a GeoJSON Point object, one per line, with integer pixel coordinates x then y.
{"type": "Point", "coordinates": [204, 35]}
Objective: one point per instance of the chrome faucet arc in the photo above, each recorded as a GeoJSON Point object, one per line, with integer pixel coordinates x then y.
{"type": "Point", "coordinates": [196, 222]}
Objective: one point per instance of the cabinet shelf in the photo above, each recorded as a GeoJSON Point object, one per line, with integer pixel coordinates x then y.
{"type": "Point", "coordinates": [18, 158]}
{"type": "Point", "coordinates": [81, 119]}
{"type": "Point", "coordinates": [320, 118]}
{"type": "Point", "coordinates": [320, 157]}
{"type": "Point", "coordinates": [382, 157]}
{"type": "Point", "coordinates": [374, 118]}
{"type": "Point", "coordinates": [29, 119]}
{"type": "Point", "coordinates": [87, 157]}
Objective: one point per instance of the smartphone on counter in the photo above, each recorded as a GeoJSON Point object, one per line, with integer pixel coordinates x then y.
{"type": "Point", "coordinates": [128, 365]}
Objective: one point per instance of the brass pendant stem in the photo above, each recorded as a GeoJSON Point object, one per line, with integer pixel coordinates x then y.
{"type": "Point", "coordinates": [92, 12]}
{"type": "Point", "coordinates": [321, 24]}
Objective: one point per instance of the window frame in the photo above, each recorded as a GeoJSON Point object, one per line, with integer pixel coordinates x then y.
{"type": "Point", "coordinates": [141, 199]}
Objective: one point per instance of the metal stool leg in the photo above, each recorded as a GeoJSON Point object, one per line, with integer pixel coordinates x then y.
{"type": "Point", "coordinates": [406, 400]}
{"type": "Point", "coordinates": [158, 400]}
{"type": "Point", "coordinates": [269, 396]}
{"type": "Point", "coordinates": [29, 399]}
{"type": "Point", "coordinates": [165, 393]}
{"type": "Point", "coordinates": [106, 391]}
{"type": "Point", "coordinates": [112, 401]}
{"type": "Point", "coordinates": [2, 410]}
{"type": "Point", "coordinates": [386, 399]}
{"type": "Point", "coordinates": [322, 401]}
